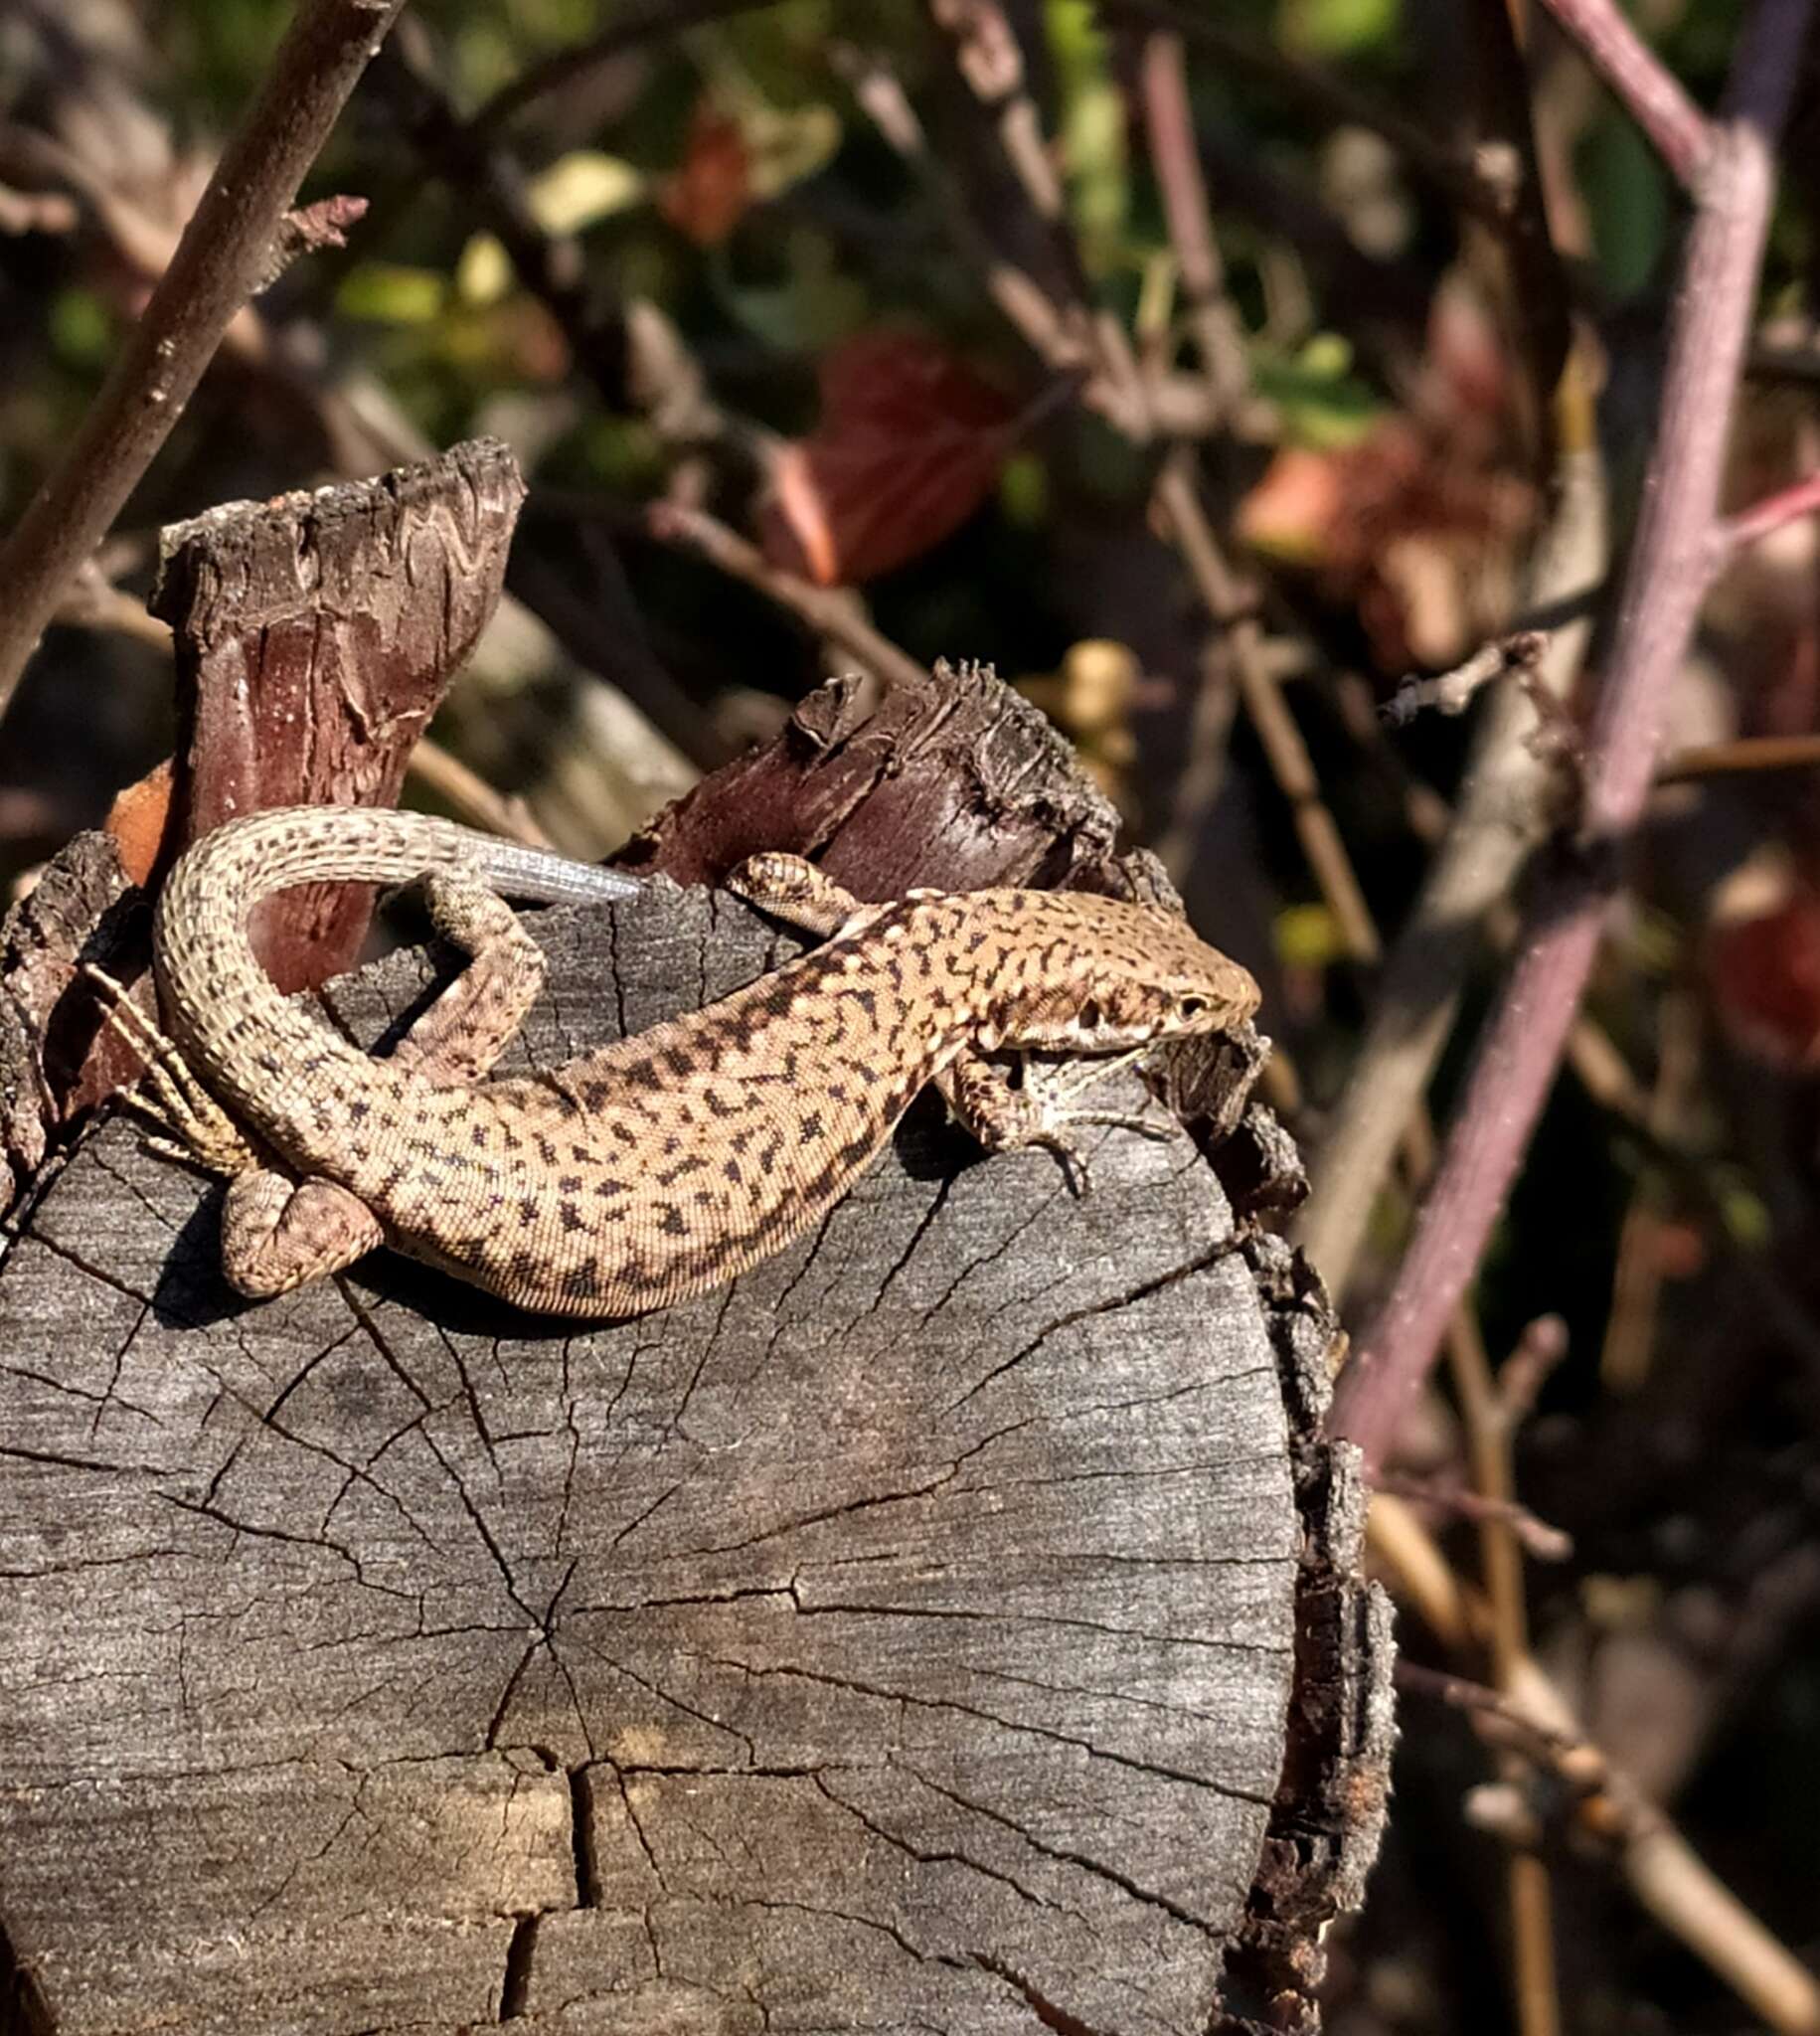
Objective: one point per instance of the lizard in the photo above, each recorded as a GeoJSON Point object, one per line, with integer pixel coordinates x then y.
{"type": "Point", "coordinates": [660, 1166]}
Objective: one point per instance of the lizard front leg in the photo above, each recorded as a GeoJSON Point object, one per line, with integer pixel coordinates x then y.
{"type": "Point", "coordinates": [1039, 1111]}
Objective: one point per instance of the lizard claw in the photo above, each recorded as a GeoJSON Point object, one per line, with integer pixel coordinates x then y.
{"type": "Point", "coordinates": [188, 1124]}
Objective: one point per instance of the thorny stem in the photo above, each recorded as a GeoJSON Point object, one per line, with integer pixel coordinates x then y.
{"type": "Point", "coordinates": [1669, 571]}
{"type": "Point", "coordinates": [225, 253]}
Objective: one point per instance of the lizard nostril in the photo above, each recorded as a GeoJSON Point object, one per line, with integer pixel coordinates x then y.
{"type": "Point", "coordinates": [1194, 1007]}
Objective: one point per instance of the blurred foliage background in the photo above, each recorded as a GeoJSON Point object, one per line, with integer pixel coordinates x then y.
{"type": "Point", "coordinates": [762, 264]}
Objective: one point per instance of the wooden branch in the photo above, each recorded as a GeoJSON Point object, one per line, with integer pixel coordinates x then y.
{"type": "Point", "coordinates": [227, 250]}
{"type": "Point", "coordinates": [315, 635]}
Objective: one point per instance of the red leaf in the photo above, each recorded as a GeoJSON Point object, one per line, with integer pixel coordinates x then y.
{"type": "Point", "coordinates": [910, 444]}
{"type": "Point", "coordinates": [707, 195]}
{"type": "Point", "coordinates": [1766, 975]}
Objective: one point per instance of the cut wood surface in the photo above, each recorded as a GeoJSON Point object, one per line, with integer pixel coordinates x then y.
{"type": "Point", "coordinates": [899, 1638]}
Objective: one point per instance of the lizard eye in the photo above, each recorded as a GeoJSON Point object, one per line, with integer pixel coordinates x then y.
{"type": "Point", "coordinates": [1090, 1016]}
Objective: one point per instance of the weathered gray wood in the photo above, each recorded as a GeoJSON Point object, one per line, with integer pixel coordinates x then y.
{"type": "Point", "coordinates": [898, 1639]}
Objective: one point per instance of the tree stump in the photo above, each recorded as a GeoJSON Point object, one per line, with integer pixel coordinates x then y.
{"type": "Point", "coordinates": [949, 1625]}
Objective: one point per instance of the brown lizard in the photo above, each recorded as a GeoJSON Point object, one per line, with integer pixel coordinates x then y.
{"type": "Point", "coordinates": [656, 1167]}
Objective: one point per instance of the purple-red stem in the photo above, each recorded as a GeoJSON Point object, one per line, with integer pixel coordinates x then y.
{"type": "Point", "coordinates": [1681, 133]}
{"type": "Point", "coordinates": [1670, 568]}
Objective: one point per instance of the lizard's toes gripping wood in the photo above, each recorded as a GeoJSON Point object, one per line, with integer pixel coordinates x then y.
{"type": "Point", "coordinates": [1039, 1111]}
{"type": "Point", "coordinates": [188, 1124]}
{"type": "Point", "coordinates": [793, 890]}
{"type": "Point", "coordinates": [278, 1234]}
{"type": "Point", "coordinates": [473, 1022]}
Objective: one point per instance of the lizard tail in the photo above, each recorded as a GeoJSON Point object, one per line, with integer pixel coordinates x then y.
{"type": "Point", "coordinates": [257, 1052]}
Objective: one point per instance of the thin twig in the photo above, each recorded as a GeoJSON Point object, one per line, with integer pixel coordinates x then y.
{"type": "Point", "coordinates": [1787, 505]}
{"type": "Point", "coordinates": [1547, 1544]}
{"type": "Point", "coordinates": [1452, 692]}
{"type": "Point", "coordinates": [1065, 337]}
{"type": "Point", "coordinates": [468, 796]}
{"type": "Point", "coordinates": [227, 249]}
{"type": "Point", "coordinates": [1529, 1889]}
{"type": "Point", "coordinates": [1663, 1872]}
{"type": "Point", "coordinates": [1169, 122]}
{"type": "Point", "coordinates": [93, 601]}
{"type": "Point", "coordinates": [829, 611]}
{"type": "Point", "coordinates": [1226, 599]}
{"type": "Point", "coordinates": [1459, 179]}
{"type": "Point", "coordinates": [1539, 1350]}
{"type": "Point", "coordinates": [1665, 583]}
{"type": "Point", "coordinates": [635, 22]}
{"type": "Point", "coordinates": [1680, 133]}
{"type": "Point", "coordinates": [1748, 754]}
{"type": "Point", "coordinates": [1504, 808]}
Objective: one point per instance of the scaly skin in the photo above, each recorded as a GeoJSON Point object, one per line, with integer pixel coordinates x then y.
{"type": "Point", "coordinates": [654, 1168]}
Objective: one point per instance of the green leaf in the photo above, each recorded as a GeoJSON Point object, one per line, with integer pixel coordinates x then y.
{"type": "Point", "coordinates": [1321, 402]}
{"type": "Point", "coordinates": [1626, 193]}
{"type": "Point", "coordinates": [81, 328]}
{"type": "Point", "coordinates": [388, 293]}
{"type": "Point", "coordinates": [1340, 28]}
{"type": "Point", "coordinates": [581, 187]}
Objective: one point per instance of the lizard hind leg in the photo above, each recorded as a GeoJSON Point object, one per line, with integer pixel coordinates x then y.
{"type": "Point", "coordinates": [186, 1122]}
{"type": "Point", "coordinates": [472, 1021]}
{"type": "Point", "coordinates": [278, 1234]}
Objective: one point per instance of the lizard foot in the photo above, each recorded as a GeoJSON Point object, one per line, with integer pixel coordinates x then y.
{"type": "Point", "coordinates": [1042, 1110]}
{"type": "Point", "coordinates": [187, 1124]}
{"type": "Point", "coordinates": [278, 1234]}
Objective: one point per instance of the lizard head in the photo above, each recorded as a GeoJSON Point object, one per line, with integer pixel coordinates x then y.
{"type": "Point", "coordinates": [1096, 976]}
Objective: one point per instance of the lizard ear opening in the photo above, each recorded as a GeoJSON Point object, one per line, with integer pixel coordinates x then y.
{"type": "Point", "coordinates": [1090, 1015]}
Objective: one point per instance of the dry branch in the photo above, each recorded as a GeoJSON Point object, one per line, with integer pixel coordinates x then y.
{"type": "Point", "coordinates": [227, 252]}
